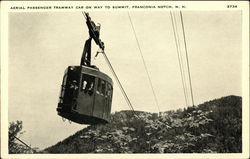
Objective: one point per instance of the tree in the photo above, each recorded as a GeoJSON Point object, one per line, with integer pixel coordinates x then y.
{"type": "Point", "coordinates": [15, 130]}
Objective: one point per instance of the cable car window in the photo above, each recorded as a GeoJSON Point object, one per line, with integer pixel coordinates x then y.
{"type": "Point", "coordinates": [109, 90]}
{"type": "Point", "coordinates": [73, 85]}
{"type": "Point", "coordinates": [88, 84]}
{"type": "Point", "coordinates": [63, 88]}
{"type": "Point", "coordinates": [103, 87]}
{"type": "Point", "coordinates": [99, 86]}
{"type": "Point", "coordinates": [84, 84]}
{"type": "Point", "coordinates": [64, 80]}
{"type": "Point", "coordinates": [91, 88]}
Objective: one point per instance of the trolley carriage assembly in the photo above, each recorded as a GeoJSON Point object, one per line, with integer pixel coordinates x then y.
{"type": "Point", "coordinates": [86, 92]}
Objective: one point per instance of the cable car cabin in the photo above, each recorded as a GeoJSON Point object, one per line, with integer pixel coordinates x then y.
{"type": "Point", "coordinates": [86, 95]}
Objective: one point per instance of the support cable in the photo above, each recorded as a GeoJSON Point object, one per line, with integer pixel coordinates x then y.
{"type": "Point", "coordinates": [118, 81]}
{"type": "Point", "coordinates": [190, 83]}
{"type": "Point", "coordinates": [144, 63]}
{"type": "Point", "coordinates": [180, 64]}
{"type": "Point", "coordinates": [181, 60]}
{"type": "Point", "coordinates": [23, 143]}
{"type": "Point", "coordinates": [101, 46]}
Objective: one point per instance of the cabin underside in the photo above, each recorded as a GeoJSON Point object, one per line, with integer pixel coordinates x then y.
{"type": "Point", "coordinates": [81, 118]}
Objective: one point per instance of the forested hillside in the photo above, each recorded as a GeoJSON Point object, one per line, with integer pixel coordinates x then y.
{"type": "Point", "coordinates": [212, 127]}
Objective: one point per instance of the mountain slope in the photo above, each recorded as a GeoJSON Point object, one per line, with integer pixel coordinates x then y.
{"type": "Point", "coordinates": [214, 126]}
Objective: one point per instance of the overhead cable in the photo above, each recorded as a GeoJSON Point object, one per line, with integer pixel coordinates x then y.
{"type": "Point", "coordinates": [179, 58]}
{"type": "Point", "coordinates": [144, 63]}
{"type": "Point", "coordinates": [118, 81]}
{"type": "Point", "coordinates": [23, 142]}
{"type": "Point", "coordinates": [184, 36]}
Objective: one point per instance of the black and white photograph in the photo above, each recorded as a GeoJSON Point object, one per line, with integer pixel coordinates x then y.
{"type": "Point", "coordinates": [124, 78]}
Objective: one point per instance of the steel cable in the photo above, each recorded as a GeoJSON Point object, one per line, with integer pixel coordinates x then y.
{"type": "Point", "coordinates": [144, 63]}
{"type": "Point", "coordinates": [180, 64]}
{"type": "Point", "coordinates": [185, 43]}
{"type": "Point", "coordinates": [118, 81]}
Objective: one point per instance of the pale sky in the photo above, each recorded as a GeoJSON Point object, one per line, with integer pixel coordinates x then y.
{"type": "Point", "coordinates": [42, 45]}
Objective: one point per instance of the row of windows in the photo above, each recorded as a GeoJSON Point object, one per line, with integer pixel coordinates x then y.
{"type": "Point", "coordinates": [88, 84]}
{"type": "Point", "coordinates": [104, 89]}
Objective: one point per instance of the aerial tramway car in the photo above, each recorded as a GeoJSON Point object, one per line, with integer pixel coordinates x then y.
{"type": "Point", "coordinates": [86, 92]}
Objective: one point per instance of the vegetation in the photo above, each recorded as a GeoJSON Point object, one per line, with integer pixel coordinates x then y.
{"type": "Point", "coordinates": [211, 127]}
{"type": "Point", "coordinates": [15, 130]}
